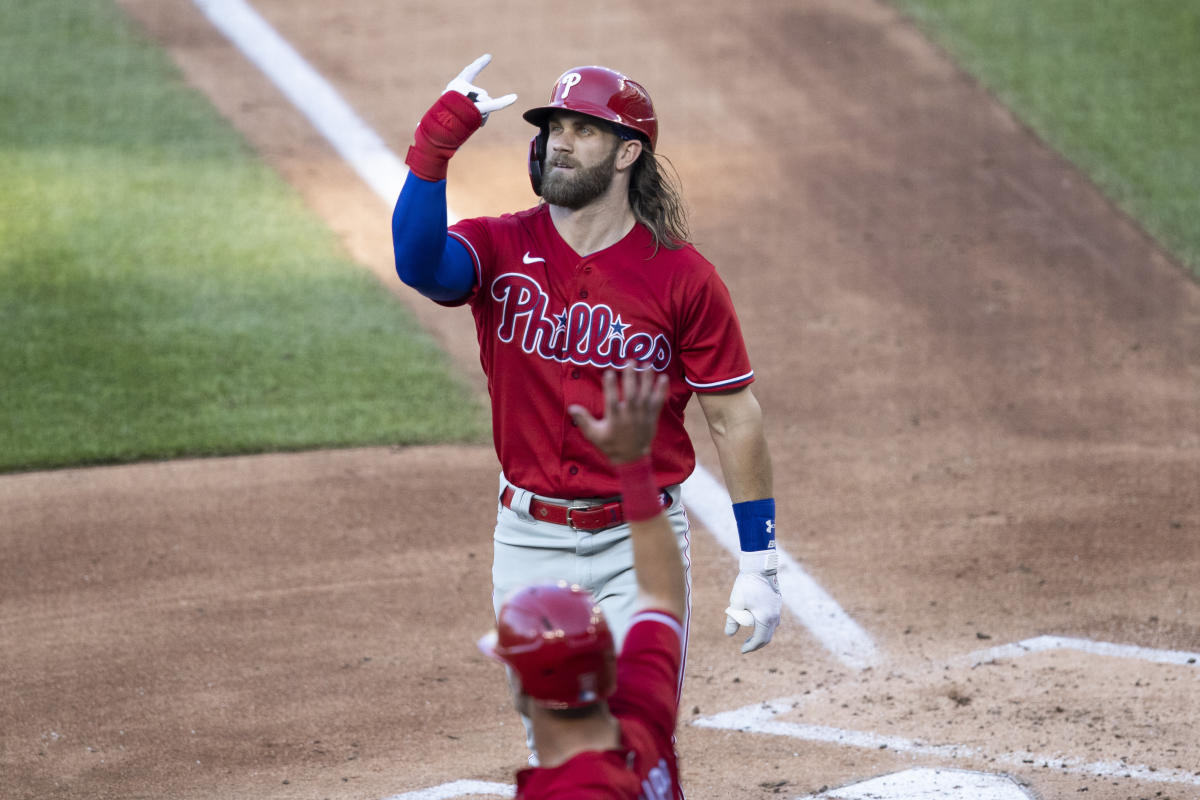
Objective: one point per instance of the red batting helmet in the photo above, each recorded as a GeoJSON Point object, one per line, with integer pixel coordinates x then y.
{"type": "Point", "coordinates": [555, 638]}
{"type": "Point", "coordinates": [598, 92]}
{"type": "Point", "coordinates": [604, 93]}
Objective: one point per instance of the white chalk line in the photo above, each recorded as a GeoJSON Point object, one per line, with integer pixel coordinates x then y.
{"type": "Point", "coordinates": [761, 718]}
{"type": "Point", "coordinates": [370, 158]}
{"type": "Point", "coordinates": [310, 93]}
{"type": "Point", "coordinates": [1042, 644]}
{"type": "Point", "coordinates": [817, 611]}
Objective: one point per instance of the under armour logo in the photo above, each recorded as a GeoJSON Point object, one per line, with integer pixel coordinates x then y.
{"type": "Point", "coordinates": [770, 526]}
{"type": "Point", "coordinates": [567, 81]}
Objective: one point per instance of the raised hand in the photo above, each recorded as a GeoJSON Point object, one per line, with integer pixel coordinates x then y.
{"type": "Point", "coordinates": [464, 84]}
{"type": "Point", "coordinates": [630, 417]}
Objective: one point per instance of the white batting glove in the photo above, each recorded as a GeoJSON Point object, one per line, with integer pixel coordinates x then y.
{"type": "Point", "coordinates": [755, 599]}
{"type": "Point", "coordinates": [464, 84]}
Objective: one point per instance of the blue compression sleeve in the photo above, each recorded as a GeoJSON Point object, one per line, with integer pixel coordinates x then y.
{"type": "Point", "coordinates": [436, 265]}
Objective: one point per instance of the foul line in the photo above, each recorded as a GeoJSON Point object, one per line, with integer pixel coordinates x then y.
{"type": "Point", "coordinates": [805, 598]}
{"type": "Point", "coordinates": [315, 98]}
{"type": "Point", "coordinates": [368, 156]}
{"type": "Point", "coordinates": [757, 718]}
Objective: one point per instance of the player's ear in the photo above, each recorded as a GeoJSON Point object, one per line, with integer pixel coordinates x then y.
{"type": "Point", "coordinates": [520, 699]}
{"type": "Point", "coordinates": [628, 152]}
{"type": "Point", "coordinates": [522, 703]}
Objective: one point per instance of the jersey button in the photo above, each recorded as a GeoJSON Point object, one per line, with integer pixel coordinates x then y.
{"type": "Point", "coordinates": [575, 374]}
{"type": "Point", "coordinates": [583, 294]}
{"type": "Point", "coordinates": [574, 470]}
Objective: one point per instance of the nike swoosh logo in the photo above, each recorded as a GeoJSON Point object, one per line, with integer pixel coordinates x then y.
{"type": "Point", "coordinates": [528, 259]}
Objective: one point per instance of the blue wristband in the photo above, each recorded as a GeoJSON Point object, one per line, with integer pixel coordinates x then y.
{"type": "Point", "coordinates": [756, 524]}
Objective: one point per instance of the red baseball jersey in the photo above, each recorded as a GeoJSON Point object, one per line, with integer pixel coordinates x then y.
{"type": "Point", "coordinates": [550, 322]}
{"type": "Point", "coordinates": [645, 766]}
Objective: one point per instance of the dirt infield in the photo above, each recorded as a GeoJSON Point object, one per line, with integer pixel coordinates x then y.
{"type": "Point", "coordinates": [981, 384]}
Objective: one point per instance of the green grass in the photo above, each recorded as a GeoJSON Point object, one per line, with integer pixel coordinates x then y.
{"type": "Point", "coordinates": [1113, 85]}
{"type": "Point", "coordinates": [162, 292]}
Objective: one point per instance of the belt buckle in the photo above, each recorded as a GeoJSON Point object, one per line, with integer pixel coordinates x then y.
{"type": "Point", "coordinates": [570, 520]}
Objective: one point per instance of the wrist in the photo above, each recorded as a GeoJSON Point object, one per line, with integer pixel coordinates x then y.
{"type": "Point", "coordinates": [755, 524]}
{"type": "Point", "coordinates": [445, 127]}
{"type": "Point", "coordinates": [760, 561]}
{"type": "Point", "coordinates": [427, 164]}
{"type": "Point", "coordinates": [639, 493]}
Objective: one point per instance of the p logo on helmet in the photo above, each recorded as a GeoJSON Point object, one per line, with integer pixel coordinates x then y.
{"type": "Point", "coordinates": [567, 81]}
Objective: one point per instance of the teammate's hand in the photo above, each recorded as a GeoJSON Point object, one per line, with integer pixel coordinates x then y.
{"type": "Point", "coordinates": [755, 601]}
{"type": "Point", "coordinates": [630, 414]}
{"type": "Point", "coordinates": [464, 84]}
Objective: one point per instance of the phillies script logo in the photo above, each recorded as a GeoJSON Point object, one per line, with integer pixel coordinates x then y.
{"type": "Point", "coordinates": [581, 334]}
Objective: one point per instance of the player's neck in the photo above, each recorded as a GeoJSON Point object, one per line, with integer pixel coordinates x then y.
{"type": "Point", "coordinates": [598, 225]}
{"type": "Point", "coordinates": [558, 740]}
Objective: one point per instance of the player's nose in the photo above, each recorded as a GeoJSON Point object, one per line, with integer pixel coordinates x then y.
{"type": "Point", "coordinates": [562, 142]}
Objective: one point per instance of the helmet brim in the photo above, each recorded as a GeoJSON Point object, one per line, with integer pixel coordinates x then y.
{"type": "Point", "coordinates": [487, 646]}
{"type": "Point", "coordinates": [541, 115]}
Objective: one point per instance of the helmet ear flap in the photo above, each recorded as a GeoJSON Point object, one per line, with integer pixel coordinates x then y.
{"type": "Point", "coordinates": [537, 157]}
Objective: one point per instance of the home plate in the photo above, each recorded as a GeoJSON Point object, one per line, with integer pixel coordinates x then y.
{"type": "Point", "coordinates": [929, 784]}
{"type": "Point", "coordinates": [450, 791]}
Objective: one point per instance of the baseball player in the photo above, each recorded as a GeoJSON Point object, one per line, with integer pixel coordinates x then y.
{"type": "Point", "coordinates": [599, 275]}
{"type": "Point", "coordinates": [603, 725]}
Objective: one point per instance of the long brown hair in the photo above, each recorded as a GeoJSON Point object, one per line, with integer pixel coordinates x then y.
{"type": "Point", "coordinates": [657, 201]}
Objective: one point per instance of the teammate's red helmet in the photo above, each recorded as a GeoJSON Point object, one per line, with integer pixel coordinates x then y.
{"type": "Point", "coordinates": [555, 638]}
{"type": "Point", "coordinates": [604, 93]}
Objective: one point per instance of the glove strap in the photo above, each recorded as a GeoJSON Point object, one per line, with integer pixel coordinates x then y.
{"type": "Point", "coordinates": [762, 561]}
{"type": "Point", "coordinates": [446, 125]}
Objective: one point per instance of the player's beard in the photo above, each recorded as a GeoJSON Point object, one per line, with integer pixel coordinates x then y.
{"type": "Point", "coordinates": [577, 187]}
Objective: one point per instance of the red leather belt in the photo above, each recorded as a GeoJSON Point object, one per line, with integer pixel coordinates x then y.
{"type": "Point", "coordinates": [587, 518]}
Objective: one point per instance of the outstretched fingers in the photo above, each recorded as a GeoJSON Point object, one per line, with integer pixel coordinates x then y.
{"type": "Point", "coordinates": [472, 70]}
{"type": "Point", "coordinates": [464, 84]}
{"type": "Point", "coordinates": [632, 404]}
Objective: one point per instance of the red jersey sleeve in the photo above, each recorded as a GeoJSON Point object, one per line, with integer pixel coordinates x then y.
{"type": "Point", "coordinates": [648, 672]}
{"type": "Point", "coordinates": [712, 350]}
